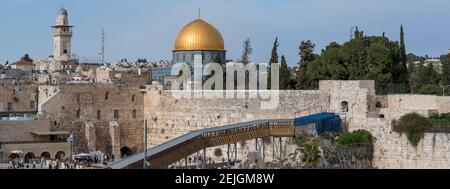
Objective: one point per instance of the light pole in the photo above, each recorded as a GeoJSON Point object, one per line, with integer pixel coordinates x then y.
{"type": "Point", "coordinates": [143, 90]}
{"type": "Point", "coordinates": [145, 144]}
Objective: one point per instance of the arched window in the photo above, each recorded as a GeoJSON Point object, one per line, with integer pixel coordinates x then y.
{"type": "Point", "coordinates": [344, 106]}
{"type": "Point", "coordinates": [378, 105]}
{"type": "Point", "coordinates": [106, 95]}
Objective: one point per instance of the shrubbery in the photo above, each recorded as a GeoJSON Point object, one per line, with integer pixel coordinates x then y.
{"type": "Point", "coordinates": [359, 137]}
{"type": "Point", "coordinates": [414, 125]}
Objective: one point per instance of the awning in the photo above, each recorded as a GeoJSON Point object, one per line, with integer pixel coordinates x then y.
{"type": "Point", "coordinates": [51, 133]}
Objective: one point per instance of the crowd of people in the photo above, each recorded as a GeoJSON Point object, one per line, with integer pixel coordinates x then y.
{"type": "Point", "coordinates": [77, 163]}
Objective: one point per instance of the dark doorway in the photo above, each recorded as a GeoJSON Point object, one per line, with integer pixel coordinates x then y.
{"type": "Point", "coordinates": [29, 156]}
{"type": "Point", "coordinates": [45, 155]}
{"type": "Point", "coordinates": [125, 152]}
{"type": "Point", "coordinates": [60, 155]}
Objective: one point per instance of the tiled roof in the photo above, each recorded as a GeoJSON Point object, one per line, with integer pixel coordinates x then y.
{"type": "Point", "coordinates": [23, 62]}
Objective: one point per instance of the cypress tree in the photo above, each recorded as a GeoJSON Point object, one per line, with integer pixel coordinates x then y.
{"type": "Point", "coordinates": [273, 60]}
{"type": "Point", "coordinates": [284, 73]}
{"type": "Point", "coordinates": [274, 56]}
{"type": "Point", "coordinates": [403, 77]}
{"type": "Point", "coordinates": [403, 57]}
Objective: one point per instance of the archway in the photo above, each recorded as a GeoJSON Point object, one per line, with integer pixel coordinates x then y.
{"type": "Point", "coordinates": [45, 155]}
{"type": "Point", "coordinates": [60, 155]}
{"type": "Point", "coordinates": [125, 152]}
{"type": "Point", "coordinates": [29, 156]}
{"type": "Point", "coordinates": [378, 105]}
{"type": "Point", "coordinates": [344, 106]}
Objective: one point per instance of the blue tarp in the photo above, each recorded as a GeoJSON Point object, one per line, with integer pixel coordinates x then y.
{"type": "Point", "coordinates": [324, 122]}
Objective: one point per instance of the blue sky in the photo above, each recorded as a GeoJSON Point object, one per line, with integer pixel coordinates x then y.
{"type": "Point", "coordinates": [147, 29]}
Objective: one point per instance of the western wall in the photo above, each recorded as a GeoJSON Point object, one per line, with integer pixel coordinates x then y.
{"type": "Point", "coordinates": [169, 117]}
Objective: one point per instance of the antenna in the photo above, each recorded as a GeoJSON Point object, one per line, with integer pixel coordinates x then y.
{"type": "Point", "coordinates": [199, 13]}
{"type": "Point", "coordinates": [103, 46]}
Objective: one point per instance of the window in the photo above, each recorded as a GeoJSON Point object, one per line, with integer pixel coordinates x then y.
{"type": "Point", "coordinates": [344, 106]}
{"type": "Point", "coordinates": [379, 105]}
{"type": "Point", "coordinates": [134, 114]}
{"type": "Point", "coordinates": [32, 103]}
{"type": "Point", "coordinates": [116, 114]}
{"type": "Point", "coordinates": [133, 98]}
{"type": "Point", "coordinates": [14, 91]}
{"type": "Point", "coordinates": [99, 114]}
{"type": "Point", "coordinates": [106, 95]}
{"type": "Point", "coordinates": [77, 114]}
{"type": "Point", "coordinates": [9, 107]}
{"type": "Point", "coordinates": [78, 97]}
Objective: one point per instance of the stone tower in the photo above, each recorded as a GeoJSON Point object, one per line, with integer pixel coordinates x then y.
{"type": "Point", "coordinates": [62, 36]}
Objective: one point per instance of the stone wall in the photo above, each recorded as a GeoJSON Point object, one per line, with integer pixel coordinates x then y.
{"type": "Point", "coordinates": [73, 106]}
{"type": "Point", "coordinates": [21, 130]}
{"type": "Point", "coordinates": [20, 97]}
{"type": "Point", "coordinates": [169, 117]}
{"type": "Point", "coordinates": [393, 150]}
{"type": "Point", "coordinates": [38, 148]}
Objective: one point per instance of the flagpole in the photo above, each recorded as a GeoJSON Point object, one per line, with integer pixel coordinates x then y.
{"type": "Point", "coordinates": [71, 147]}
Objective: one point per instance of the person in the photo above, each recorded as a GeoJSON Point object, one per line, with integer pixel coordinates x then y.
{"type": "Point", "coordinates": [112, 158]}
{"type": "Point", "coordinates": [34, 165]}
{"type": "Point", "coordinates": [49, 166]}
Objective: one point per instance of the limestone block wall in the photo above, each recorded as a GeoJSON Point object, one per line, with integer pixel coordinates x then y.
{"type": "Point", "coordinates": [392, 150]}
{"type": "Point", "coordinates": [38, 148]}
{"type": "Point", "coordinates": [73, 106]}
{"type": "Point", "coordinates": [21, 130]}
{"type": "Point", "coordinates": [169, 117]}
{"type": "Point", "coordinates": [20, 97]}
{"type": "Point", "coordinates": [359, 96]}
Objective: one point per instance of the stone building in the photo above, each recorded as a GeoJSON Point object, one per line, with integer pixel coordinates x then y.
{"type": "Point", "coordinates": [33, 139]}
{"type": "Point", "coordinates": [23, 65]}
{"type": "Point", "coordinates": [18, 98]}
{"type": "Point", "coordinates": [103, 117]}
{"type": "Point", "coordinates": [62, 59]}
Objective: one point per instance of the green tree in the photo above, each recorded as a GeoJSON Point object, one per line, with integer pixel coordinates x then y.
{"type": "Point", "coordinates": [248, 50]}
{"type": "Point", "coordinates": [274, 55]}
{"type": "Point", "coordinates": [309, 148]}
{"type": "Point", "coordinates": [26, 57]}
{"type": "Point", "coordinates": [402, 76]}
{"type": "Point", "coordinates": [306, 53]}
{"type": "Point", "coordinates": [360, 63]}
{"type": "Point", "coordinates": [445, 70]}
{"type": "Point", "coordinates": [285, 75]}
{"type": "Point", "coordinates": [273, 60]}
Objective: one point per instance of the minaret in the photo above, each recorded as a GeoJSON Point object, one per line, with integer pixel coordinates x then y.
{"type": "Point", "coordinates": [62, 35]}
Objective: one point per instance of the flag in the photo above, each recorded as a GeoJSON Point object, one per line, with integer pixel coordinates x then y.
{"type": "Point", "coordinates": [70, 139]}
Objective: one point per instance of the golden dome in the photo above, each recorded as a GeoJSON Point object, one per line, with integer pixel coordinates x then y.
{"type": "Point", "coordinates": [199, 35]}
